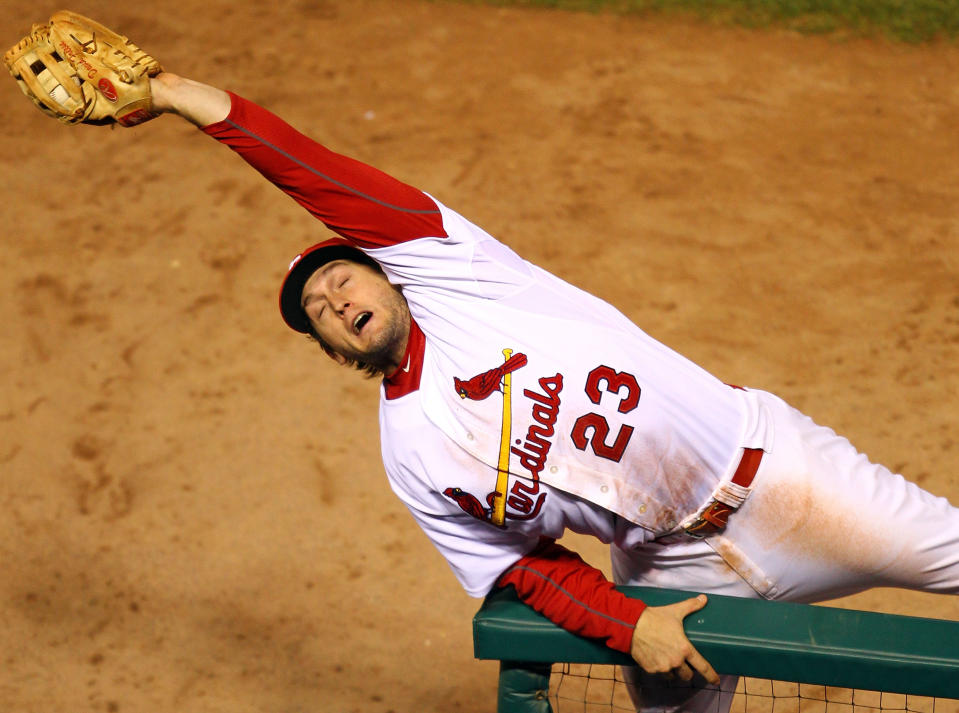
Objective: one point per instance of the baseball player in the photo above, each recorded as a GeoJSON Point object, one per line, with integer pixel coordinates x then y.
{"type": "Point", "coordinates": [515, 407]}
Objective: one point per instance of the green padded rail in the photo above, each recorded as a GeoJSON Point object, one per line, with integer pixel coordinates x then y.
{"type": "Point", "coordinates": [749, 637]}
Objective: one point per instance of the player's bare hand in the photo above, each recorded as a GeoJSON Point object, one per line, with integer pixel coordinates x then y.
{"type": "Point", "coordinates": [660, 644]}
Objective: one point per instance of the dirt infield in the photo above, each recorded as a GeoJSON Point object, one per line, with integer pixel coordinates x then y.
{"type": "Point", "coordinates": [194, 515]}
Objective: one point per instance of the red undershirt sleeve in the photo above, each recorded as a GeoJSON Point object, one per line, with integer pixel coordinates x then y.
{"type": "Point", "coordinates": [558, 584]}
{"type": "Point", "coordinates": [361, 203]}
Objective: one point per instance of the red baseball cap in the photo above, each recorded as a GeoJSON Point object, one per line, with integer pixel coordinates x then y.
{"type": "Point", "coordinates": [300, 270]}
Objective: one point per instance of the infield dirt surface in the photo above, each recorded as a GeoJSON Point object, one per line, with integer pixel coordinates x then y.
{"type": "Point", "coordinates": [194, 515]}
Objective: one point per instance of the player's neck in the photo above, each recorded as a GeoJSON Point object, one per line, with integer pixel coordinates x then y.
{"type": "Point", "coordinates": [399, 358]}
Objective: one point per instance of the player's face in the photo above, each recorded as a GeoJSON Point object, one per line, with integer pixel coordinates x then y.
{"type": "Point", "coordinates": [358, 313]}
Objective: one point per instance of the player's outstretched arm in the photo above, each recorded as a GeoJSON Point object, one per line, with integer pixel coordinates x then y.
{"type": "Point", "coordinates": [660, 644]}
{"type": "Point", "coordinates": [198, 103]}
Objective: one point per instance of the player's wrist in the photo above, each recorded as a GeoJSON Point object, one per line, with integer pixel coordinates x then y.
{"type": "Point", "coordinates": [163, 88]}
{"type": "Point", "coordinates": [196, 102]}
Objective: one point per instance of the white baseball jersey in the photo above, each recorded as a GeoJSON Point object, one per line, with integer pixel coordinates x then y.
{"type": "Point", "coordinates": [527, 407]}
{"type": "Point", "coordinates": [609, 432]}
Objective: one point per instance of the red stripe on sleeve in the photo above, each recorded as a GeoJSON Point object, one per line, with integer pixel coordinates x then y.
{"type": "Point", "coordinates": [557, 583]}
{"type": "Point", "coordinates": [357, 201]}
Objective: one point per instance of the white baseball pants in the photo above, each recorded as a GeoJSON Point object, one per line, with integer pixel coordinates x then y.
{"type": "Point", "coordinates": [821, 522]}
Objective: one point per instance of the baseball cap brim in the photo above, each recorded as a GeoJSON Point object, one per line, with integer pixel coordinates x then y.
{"type": "Point", "coordinates": [300, 270]}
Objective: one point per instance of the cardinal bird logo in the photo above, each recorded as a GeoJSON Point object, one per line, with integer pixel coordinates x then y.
{"type": "Point", "coordinates": [471, 505]}
{"type": "Point", "coordinates": [482, 385]}
{"type": "Point", "coordinates": [468, 503]}
{"type": "Point", "coordinates": [504, 503]}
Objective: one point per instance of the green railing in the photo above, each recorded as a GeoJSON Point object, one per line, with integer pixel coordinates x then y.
{"type": "Point", "coordinates": [747, 637]}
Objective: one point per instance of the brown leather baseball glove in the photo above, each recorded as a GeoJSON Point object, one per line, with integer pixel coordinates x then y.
{"type": "Point", "coordinates": [78, 71]}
